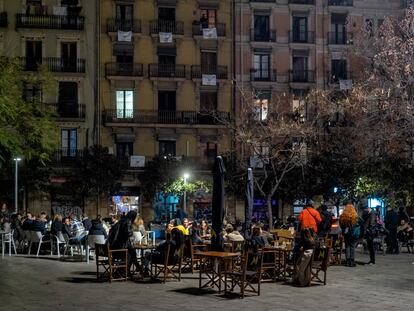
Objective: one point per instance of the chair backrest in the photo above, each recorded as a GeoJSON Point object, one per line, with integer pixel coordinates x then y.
{"type": "Point", "coordinates": [237, 246]}
{"type": "Point", "coordinates": [321, 256]}
{"type": "Point", "coordinates": [101, 250]}
{"type": "Point", "coordinates": [95, 239]}
{"type": "Point", "coordinates": [36, 236]}
{"type": "Point", "coordinates": [60, 237]}
{"type": "Point", "coordinates": [27, 235]}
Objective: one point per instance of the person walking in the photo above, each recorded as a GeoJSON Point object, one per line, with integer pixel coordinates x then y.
{"type": "Point", "coordinates": [348, 222]}
{"type": "Point", "coordinates": [370, 231]}
{"type": "Point", "coordinates": [391, 222]}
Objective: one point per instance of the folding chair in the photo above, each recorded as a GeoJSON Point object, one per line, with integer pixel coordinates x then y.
{"type": "Point", "coordinates": [190, 258]}
{"type": "Point", "coordinates": [114, 268]}
{"type": "Point", "coordinates": [320, 263]}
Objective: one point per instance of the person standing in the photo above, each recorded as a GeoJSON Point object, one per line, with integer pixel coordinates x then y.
{"type": "Point", "coordinates": [391, 222]}
{"type": "Point", "coordinates": [309, 218]}
{"type": "Point", "coordinates": [348, 222]}
{"type": "Point", "coordinates": [370, 231]}
{"type": "Point", "coordinates": [325, 225]}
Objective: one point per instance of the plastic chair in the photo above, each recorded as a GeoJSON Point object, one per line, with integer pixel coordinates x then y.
{"type": "Point", "coordinates": [60, 240]}
{"type": "Point", "coordinates": [8, 238]}
{"type": "Point", "coordinates": [90, 244]}
{"type": "Point", "coordinates": [138, 237]}
{"type": "Point", "coordinates": [37, 237]}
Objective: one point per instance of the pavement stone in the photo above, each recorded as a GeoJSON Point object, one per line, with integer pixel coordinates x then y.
{"type": "Point", "coordinates": [46, 283]}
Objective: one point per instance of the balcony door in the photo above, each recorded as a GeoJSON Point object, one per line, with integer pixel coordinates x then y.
{"type": "Point", "coordinates": [261, 27]}
{"type": "Point", "coordinates": [299, 29]}
{"type": "Point", "coordinates": [68, 99]}
{"type": "Point", "coordinates": [167, 148]}
{"type": "Point", "coordinates": [208, 101]}
{"type": "Point", "coordinates": [208, 18]}
{"type": "Point", "coordinates": [124, 12]}
{"type": "Point", "coordinates": [208, 62]}
{"type": "Point", "coordinates": [33, 54]}
{"type": "Point", "coordinates": [338, 29]}
{"type": "Point", "coordinates": [338, 70]}
{"type": "Point", "coordinates": [300, 68]}
{"type": "Point", "coordinates": [166, 107]}
{"type": "Point", "coordinates": [69, 142]}
{"type": "Point", "coordinates": [124, 104]}
{"type": "Point", "coordinates": [69, 56]}
{"type": "Point", "coordinates": [124, 150]}
{"type": "Point", "coordinates": [166, 20]}
{"type": "Point", "coordinates": [261, 66]}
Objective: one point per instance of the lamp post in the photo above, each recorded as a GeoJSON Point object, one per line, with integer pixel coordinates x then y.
{"type": "Point", "coordinates": [186, 175]}
{"type": "Point", "coordinates": [16, 183]}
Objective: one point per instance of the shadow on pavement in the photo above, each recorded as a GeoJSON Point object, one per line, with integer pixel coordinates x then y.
{"type": "Point", "coordinates": [80, 280]}
{"type": "Point", "coordinates": [195, 291]}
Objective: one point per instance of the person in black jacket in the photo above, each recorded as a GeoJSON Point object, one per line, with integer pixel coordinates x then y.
{"type": "Point", "coordinates": [370, 231]}
{"type": "Point", "coordinates": [87, 223]}
{"type": "Point", "coordinates": [391, 222]}
{"type": "Point", "coordinates": [97, 228]}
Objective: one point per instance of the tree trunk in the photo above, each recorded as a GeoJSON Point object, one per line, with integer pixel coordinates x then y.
{"type": "Point", "coordinates": [269, 209]}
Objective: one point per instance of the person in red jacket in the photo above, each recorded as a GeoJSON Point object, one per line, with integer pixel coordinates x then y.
{"type": "Point", "coordinates": [309, 218]}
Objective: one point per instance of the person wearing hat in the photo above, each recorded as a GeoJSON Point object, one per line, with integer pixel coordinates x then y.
{"type": "Point", "coordinates": [309, 218]}
{"type": "Point", "coordinates": [370, 231]}
{"type": "Point", "coordinates": [391, 221]}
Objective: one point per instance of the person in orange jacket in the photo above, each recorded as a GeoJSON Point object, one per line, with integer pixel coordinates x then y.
{"type": "Point", "coordinates": [309, 218]}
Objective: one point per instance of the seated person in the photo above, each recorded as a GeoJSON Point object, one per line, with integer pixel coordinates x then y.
{"type": "Point", "coordinates": [231, 235]}
{"type": "Point", "coordinates": [258, 239]}
{"type": "Point", "coordinates": [39, 224]}
{"type": "Point", "coordinates": [57, 225]}
{"type": "Point", "coordinates": [404, 232]}
{"type": "Point", "coordinates": [87, 223]}
{"type": "Point", "coordinates": [66, 228]}
{"type": "Point", "coordinates": [17, 227]}
{"type": "Point", "coordinates": [138, 226]}
{"type": "Point", "coordinates": [97, 228]}
{"type": "Point", "coordinates": [28, 222]}
{"type": "Point", "coordinates": [204, 232]}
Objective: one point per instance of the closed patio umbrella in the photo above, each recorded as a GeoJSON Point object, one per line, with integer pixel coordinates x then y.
{"type": "Point", "coordinates": [248, 206]}
{"type": "Point", "coordinates": [218, 202]}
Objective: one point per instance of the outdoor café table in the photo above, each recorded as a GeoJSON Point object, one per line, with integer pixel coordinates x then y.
{"type": "Point", "coordinates": [214, 271]}
{"type": "Point", "coordinates": [141, 249]}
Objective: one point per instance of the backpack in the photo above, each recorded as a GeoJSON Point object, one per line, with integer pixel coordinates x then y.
{"type": "Point", "coordinates": [356, 231]}
{"type": "Point", "coordinates": [326, 223]}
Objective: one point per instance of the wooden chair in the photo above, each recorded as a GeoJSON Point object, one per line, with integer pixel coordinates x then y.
{"type": "Point", "coordinates": [337, 250]}
{"type": "Point", "coordinates": [191, 259]}
{"type": "Point", "coordinates": [247, 280]}
{"type": "Point", "coordinates": [283, 235]}
{"type": "Point", "coordinates": [320, 263]}
{"type": "Point", "coordinates": [114, 267]}
{"type": "Point", "coordinates": [169, 259]}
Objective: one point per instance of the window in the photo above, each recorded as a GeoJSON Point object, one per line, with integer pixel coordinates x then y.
{"type": "Point", "coordinates": [69, 143]}
{"type": "Point", "coordinates": [369, 26]}
{"type": "Point", "coordinates": [208, 150]}
{"type": "Point", "coordinates": [124, 12]}
{"type": "Point", "coordinates": [124, 104]}
{"type": "Point", "coordinates": [208, 18]}
{"type": "Point", "coordinates": [68, 99]}
{"type": "Point", "coordinates": [261, 105]}
{"type": "Point", "coordinates": [166, 14]}
{"type": "Point", "coordinates": [338, 70]}
{"type": "Point", "coordinates": [208, 101]}
{"type": "Point", "coordinates": [300, 29]}
{"type": "Point", "coordinates": [261, 28]}
{"type": "Point", "coordinates": [300, 68]}
{"type": "Point", "coordinates": [166, 100]}
{"type": "Point", "coordinates": [299, 106]}
{"type": "Point", "coordinates": [69, 55]}
{"type": "Point", "coordinates": [208, 62]}
{"type": "Point", "coordinates": [167, 148]}
{"type": "Point", "coordinates": [124, 150]}
{"type": "Point", "coordinates": [33, 55]}
{"type": "Point", "coordinates": [32, 93]}
{"type": "Point", "coordinates": [261, 65]}
{"type": "Point", "coordinates": [338, 29]}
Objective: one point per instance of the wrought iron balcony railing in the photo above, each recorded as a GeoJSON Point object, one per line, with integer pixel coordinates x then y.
{"type": "Point", "coordinates": [67, 110]}
{"type": "Point", "coordinates": [3, 19]}
{"type": "Point", "coordinates": [166, 71]}
{"type": "Point", "coordinates": [263, 75]}
{"type": "Point", "coordinates": [67, 156]}
{"type": "Point", "coordinates": [197, 71]}
{"type": "Point", "coordinates": [262, 0]}
{"type": "Point", "coordinates": [262, 36]}
{"type": "Point", "coordinates": [341, 2]}
{"type": "Point", "coordinates": [114, 24]}
{"type": "Point", "coordinates": [50, 21]}
{"type": "Point", "coordinates": [301, 36]}
{"type": "Point", "coordinates": [304, 76]}
{"type": "Point", "coordinates": [312, 2]}
{"type": "Point", "coordinates": [159, 25]}
{"type": "Point", "coordinates": [198, 30]}
{"type": "Point", "coordinates": [54, 64]}
{"type": "Point", "coordinates": [124, 69]}
{"type": "Point", "coordinates": [165, 117]}
{"type": "Point", "coordinates": [340, 38]}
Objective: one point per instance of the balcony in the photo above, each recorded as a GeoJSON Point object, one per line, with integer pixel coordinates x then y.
{"type": "Point", "coordinates": [123, 70]}
{"type": "Point", "coordinates": [334, 77]}
{"type": "Point", "coordinates": [311, 2]}
{"type": "Point", "coordinates": [341, 2]}
{"type": "Point", "coordinates": [166, 71]}
{"type": "Point", "coordinates": [158, 25]}
{"type": "Point", "coordinates": [54, 64]}
{"type": "Point", "coordinates": [265, 36]}
{"type": "Point", "coordinates": [301, 37]}
{"type": "Point", "coordinates": [67, 110]}
{"type": "Point", "coordinates": [263, 75]}
{"type": "Point", "coordinates": [263, 1]}
{"type": "Point", "coordinates": [198, 30]}
{"type": "Point", "coordinates": [339, 38]}
{"type": "Point", "coordinates": [197, 71]}
{"type": "Point", "coordinates": [3, 19]}
{"type": "Point", "coordinates": [67, 156]}
{"type": "Point", "coordinates": [114, 25]}
{"type": "Point", "coordinates": [302, 76]}
{"type": "Point", "coordinates": [50, 21]}
{"type": "Point", "coordinates": [165, 117]}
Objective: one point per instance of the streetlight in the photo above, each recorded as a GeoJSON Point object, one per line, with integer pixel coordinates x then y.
{"type": "Point", "coordinates": [16, 183]}
{"type": "Point", "coordinates": [186, 176]}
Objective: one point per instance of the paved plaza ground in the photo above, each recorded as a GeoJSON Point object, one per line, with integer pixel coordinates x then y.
{"type": "Point", "coordinates": [45, 283]}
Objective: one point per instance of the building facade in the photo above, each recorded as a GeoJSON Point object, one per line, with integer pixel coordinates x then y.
{"type": "Point", "coordinates": [59, 34]}
{"type": "Point", "coordinates": [165, 71]}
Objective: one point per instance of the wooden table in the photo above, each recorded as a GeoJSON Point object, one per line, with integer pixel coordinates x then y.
{"type": "Point", "coordinates": [141, 248]}
{"type": "Point", "coordinates": [214, 270]}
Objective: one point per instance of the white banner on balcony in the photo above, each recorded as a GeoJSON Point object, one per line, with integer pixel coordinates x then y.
{"type": "Point", "coordinates": [166, 37]}
{"type": "Point", "coordinates": [125, 36]}
{"type": "Point", "coordinates": [209, 33]}
{"type": "Point", "coordinates": [345, 84]}
{"type": "Point", "coordinates": [60, 10]}
{"type": "Point", "coordinates": [136, 161]}
{"type": "Point", "coordinates": [209, 80]}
